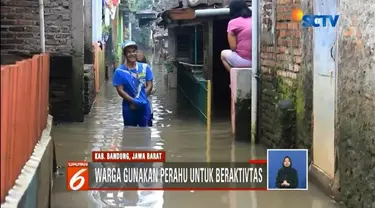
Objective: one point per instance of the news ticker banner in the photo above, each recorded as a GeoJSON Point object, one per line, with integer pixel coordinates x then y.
{"type": "Point", "coordinates": [147, 170]}
{"type": "Point", "coordinates": [166, 176]}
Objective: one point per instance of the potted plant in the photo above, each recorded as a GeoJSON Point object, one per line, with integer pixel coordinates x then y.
{"type": "Point", "coordinates": [105, 32]}
{"type": "Point", "coordinates": [171, 72]}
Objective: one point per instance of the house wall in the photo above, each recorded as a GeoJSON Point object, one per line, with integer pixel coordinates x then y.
{"type": "Point", "coordinates": [88, 54]}
{"type": "Point", "coordinates": [20, 32]}
{"type": "Point", "coordinates": [89, 88]}
{"type": "Point", "coordinates": [172, 43]}
{"type": "Point", "coordinates": [64, 32]}
{"type": "Point", "coordinates": [286, 77]}
{"type": "Point", "coordinates": [356, 103]}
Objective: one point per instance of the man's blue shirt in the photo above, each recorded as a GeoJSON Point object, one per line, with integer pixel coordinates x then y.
{"type": "Point", "coordinates": [128, 78]}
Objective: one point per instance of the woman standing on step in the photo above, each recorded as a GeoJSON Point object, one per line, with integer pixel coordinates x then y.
{"type": "Point", "coordinates": [239, 36]}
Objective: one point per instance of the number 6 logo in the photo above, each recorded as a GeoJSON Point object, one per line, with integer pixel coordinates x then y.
{"type": "Point", "coordinates": [77, 177]}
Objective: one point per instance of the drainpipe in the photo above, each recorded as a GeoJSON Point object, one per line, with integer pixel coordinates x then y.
{"type": "Point", "coordinates": [255, 65]}
{"type": "Point", "coordinates": [42, 34]}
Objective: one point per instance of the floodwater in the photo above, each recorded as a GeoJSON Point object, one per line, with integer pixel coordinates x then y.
{"type": "Point", "coordinates": [178, 131]}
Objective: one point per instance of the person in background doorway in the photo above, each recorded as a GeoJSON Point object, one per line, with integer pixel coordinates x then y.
{"type": "Point", "coordinates": [141, 58]}
{"type": "Point", "coordinates": [287, 176]}
{"type": "Point", "coordinates": [239, 36]}
{"type": "Point", "coordinates": [133, 83]}
{"type": "Point", "coordinates": [100, 44]}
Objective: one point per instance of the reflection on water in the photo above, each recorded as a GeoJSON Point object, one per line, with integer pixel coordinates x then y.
{"type": "Point", "coordinates": [178, 131]}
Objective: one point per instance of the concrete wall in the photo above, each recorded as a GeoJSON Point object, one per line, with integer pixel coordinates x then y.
{"type": "Point", "coordinates": [89, 88]}
{"type": "Point", "coordinates": [34, 187]}
{"type": "Point", "coordinates": [171, 43]}
{"type": "Point", "coordinates": [356, 103]}
{"type": "Point", "coordinates": [286, 77]}
{"type": "Point", "coordinates": [64, 36]}
{"type": "Point", "coordinates": [240, 86]}
{"type": "Point", "coordinates": [78, 32]}
{"type": "Point", "coordinates": [88, 32]}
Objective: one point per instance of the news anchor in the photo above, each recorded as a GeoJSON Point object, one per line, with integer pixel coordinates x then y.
{"type": "Point", "coordinates": [287, 176]}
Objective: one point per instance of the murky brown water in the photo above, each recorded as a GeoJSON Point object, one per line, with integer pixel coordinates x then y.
{"type": "Point", "coordinates": [177, 130]}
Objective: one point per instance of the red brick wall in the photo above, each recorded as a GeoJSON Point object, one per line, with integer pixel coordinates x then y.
{"type": "Point", "coordinates": [19, 29]}
{"type": "Point", "coordinates": [281, 58]}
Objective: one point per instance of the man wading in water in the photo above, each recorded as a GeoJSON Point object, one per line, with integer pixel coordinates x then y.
{"type": "Point", "coordinates": [133, 82]}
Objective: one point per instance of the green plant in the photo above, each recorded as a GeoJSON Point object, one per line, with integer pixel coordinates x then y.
{"type": "Point", "coordinates": [169, 66]}
{"type": "Point", "coordinates": [106, 29]}
{"type": "Point", "coordinates": [137, 5]}
{"type": "Point", "coordinates": [115, 58]}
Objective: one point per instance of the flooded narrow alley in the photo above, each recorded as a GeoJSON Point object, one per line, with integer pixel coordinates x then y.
{"type": "Point", "coordinates": [178, 131]}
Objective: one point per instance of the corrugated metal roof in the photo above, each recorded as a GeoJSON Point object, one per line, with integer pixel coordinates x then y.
{"type": "Point", "coordinates": [164, 5]}
{"type": "Point", "coordinates": [146, 11]}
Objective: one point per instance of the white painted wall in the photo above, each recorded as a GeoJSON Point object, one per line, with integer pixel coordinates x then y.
{"type": "Point", "coordinates": [106, 17]}
{"type": "Point", "coordinates": [96, 20]}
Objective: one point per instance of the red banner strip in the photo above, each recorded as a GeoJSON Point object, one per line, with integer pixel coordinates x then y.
{"type": "Point", "coordinates": [178, 189]}
{"type": "Point", "coordinates": [258, 162]}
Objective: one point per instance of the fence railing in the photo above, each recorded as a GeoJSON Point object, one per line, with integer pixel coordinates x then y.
{"type": "Point", "coordinates": [24, 111]}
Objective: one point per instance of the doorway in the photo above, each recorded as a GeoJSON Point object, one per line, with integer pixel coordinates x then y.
{"type": "Point", "coordinates": [324, 90]}
{"type": "Point", "coordinates": [221, 99]}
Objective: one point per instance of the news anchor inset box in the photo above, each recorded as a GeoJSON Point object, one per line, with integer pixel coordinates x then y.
{"type": "Point", "coordinates": [287, 169]}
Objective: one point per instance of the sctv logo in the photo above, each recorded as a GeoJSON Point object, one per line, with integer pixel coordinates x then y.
{"type": "Point", "coordinates": [314, 20]}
